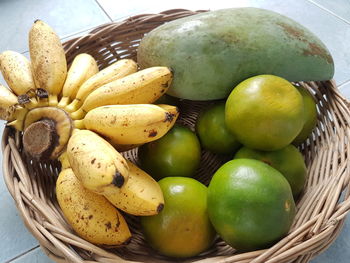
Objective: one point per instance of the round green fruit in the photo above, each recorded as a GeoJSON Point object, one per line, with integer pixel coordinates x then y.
{"type": "Point", "coordinates": [250, 204]}
{"type": "Point", "coordinates": [265, 112]}
{"type": "Point", "coordinates": [288, 161]}
{"type": "Point", "coordinates": [310, 115]}
{"type": "Point", "coordinates": [177, 153]}
{"type": "Point", "coordinates": [182, 228]}
{"type": "Point", "coordinates": [213, 133]}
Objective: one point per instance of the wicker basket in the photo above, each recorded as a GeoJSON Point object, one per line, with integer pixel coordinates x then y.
{"type": "Point", "coordinates": [321, 209]}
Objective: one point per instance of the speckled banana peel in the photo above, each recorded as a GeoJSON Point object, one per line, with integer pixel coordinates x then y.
{"type": "Point", "coordinates": [140, 195]}
{"type": "Point", "coordinates": [48, 60]}
{"type": "Point", "coordinates": [83, 67]}
{"type": "Point", "coordinates": [142, 87]}
{"type": "Point", "coordinates": [131, 124]}
{"type": "Point", "coordinates": [95, 162]}
{"type": "Point", "coordinates": [115, 71]}
{"type": "Point", "coordinates": [8, 102]}
{"type": "Point", "coordinates": [91, 215]}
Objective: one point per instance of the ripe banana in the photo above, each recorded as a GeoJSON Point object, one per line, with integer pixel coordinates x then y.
{"type": "Point", "coordinates": [46, 132]}
{"type": "Point", "coordinates": [131, 124]}
{"type": "Point", "coordinates": [140, 195]}
{"type": "Point", "coordinates": [95, 162]}
{"type": "Point", "coordinates": [117, 70]}
{"type": "Point", "coordinates": [91, 216]}
{"type": "Point", "coordinates": [144, 86]}
{"type": "Point", "coordinates": [83, 67]}
{"type": "Point", "coordinates": [8, 102]}
{"type": "Point", "coordinates": [48, 59]}
{"type": "Point", "coordinates": [64, 161]}
{"type": "Point", "coordinates": [17, 72]}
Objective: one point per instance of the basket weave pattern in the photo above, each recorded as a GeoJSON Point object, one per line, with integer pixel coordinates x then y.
{"type": "Point", "coordinates": [321, 209]}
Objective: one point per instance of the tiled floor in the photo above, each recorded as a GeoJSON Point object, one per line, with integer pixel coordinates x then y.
{"type": "Point", "coordinates": [330, 20]}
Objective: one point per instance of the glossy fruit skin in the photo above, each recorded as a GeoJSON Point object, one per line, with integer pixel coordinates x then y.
{"type": "Point", "coordinates": [210, 53]}
{"type": "Point", "coordinates": [265, 112]}
{"type": "Point", "coordinates": [177, 153]}
{"type": "Point", "coordinates": [182, 228]}
{"type": "Point", "coordinates": [288, 161]}
{"type": "Point", "coordinates": [310, 113]}
{"type": "Point", "coordinates": [250, 204]}
{"type": "Point", "coordinates": [213, 133]}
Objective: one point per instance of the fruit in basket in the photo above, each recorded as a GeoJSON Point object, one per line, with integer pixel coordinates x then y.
{"type": "Point", "coordinates": [212, 52]}
{"type": "Point", "coordinates": [83, 67]}
{"type": "Point", "coordinates": [91, 216]}
{"type": "Point", "coordinates": [17, 72]}
{"type": "Point", "coordinates": [177, 153]}
{"type": "Point", "coordinates": [95, 162]}
{"type": "Point", "coordinates": [144, 86]}
{"type": "Point", "coordinates": [265, 112]}
{"type": "Point", "coordinates": [8, 102]}
{"type": "Point", "coordinates": [131, 124]}
{"type": "Point", "coordinates": [288, 161]}
{"type": "Point", "coordinates": [250, 204]}
{"type": "Point", "coordinates": [47, 131]}
{"type": "Point", "coordinates": [182, 228]}
{"type": "Point", "coordinates": [48, 60]}
{"type": "Point", "coordinates": [140, 195]}
{"type": "Point", "coordinates": [310, 114]}
{"type": "Point", "coordinates": [115, 71]}
{"type": "Point", "coordinates": [212, 131]}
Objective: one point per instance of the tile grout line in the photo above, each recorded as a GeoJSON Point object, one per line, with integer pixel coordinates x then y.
{"type": "Point", "coordinates": [22, 254]}
{"type": "Point", "coordinates": [103, 10]}
{"type": "Point", "coordinates": [329, 11]}
{"type": "Point", "coordinates": [344, 84]}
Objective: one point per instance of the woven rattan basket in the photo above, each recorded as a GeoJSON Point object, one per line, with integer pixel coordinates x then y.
{"type": "Point", "coordinates": [321, 209]}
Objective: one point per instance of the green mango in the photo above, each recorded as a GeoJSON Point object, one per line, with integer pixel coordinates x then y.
{"type": "Point", "coordinates": [211, 52]}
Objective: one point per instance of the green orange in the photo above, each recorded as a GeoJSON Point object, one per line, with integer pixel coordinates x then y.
{"type": "Point", "coordinates": [177, 153]}
{"type": "Point", "coordinates": [265, 112]}
{"type": "Point", "coordinates": [250, 204]}
{"type": "Point", "coordinates": [213, 133]}
{"type": "Point", "coordinates": [182, 228]}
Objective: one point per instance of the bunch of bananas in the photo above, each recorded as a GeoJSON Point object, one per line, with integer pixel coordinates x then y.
{"type": "Point", "coordinates": [85, 117]}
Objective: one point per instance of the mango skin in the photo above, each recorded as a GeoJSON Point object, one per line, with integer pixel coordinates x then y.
{"type": "Point", "coordinates": [210, 53]}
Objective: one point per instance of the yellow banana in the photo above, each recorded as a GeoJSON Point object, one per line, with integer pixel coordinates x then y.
{"type": "Point", "coordinates": [91, 216]}
{"type": "Point", "coordinates": [83, 67]}
{"type": "Point", "coordinates": [131, 124]}
{"type": "Point", "coordinates": [17, 72]}
{"type": "Point", "coordinates": [140, 195]}
{"type": "Point", "coordinates": [95, 162]}
{"type": "Point", "coordinates": [64, 161]}
{"type": "Point", "coordinates": [8, 102]}
{"type": "Point", "coordinates": [46, 132]}
{"type": "Point", "coordinates": [117, 70]}
{"type": "Point", "coordinates": [144, 86]}
{"type": "Point", "coordinates": [48, 59]}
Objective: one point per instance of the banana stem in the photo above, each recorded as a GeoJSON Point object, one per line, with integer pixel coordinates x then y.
{"type": "Point", "coordinates": [53, 101]}
{"type": "Point", "coordinates": [73, 106]}
{"type": "Point", "coordinates": [63, 102]}
{"type": "Point", "coordinates": [79, 124]}
{"type": "Point", "coordinates": [78, 115]}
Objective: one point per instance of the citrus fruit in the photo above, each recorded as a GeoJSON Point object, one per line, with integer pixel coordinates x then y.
{"type": "Point", "coordinates": [265, 112]}
{"type": "Point", "coordinates": [213, 133]}
{"type": "Point", "coordinates": [182, 228]}
{"type": "Point", "coordinates": [250, 204]}
{"type": "Point", "coordinates": [288, 161]}
{"type": "Point", "coordinates": [310, 115]}
{"type": "Point", "coordinates": [177, 153]}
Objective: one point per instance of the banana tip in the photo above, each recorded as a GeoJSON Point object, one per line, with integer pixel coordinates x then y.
{"type": "Point", "coordinates": [160, 207]}
{"type": "Point", "coordinates": [37, 20]}
{"type": "Point", "coordinates": [118, 180]}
